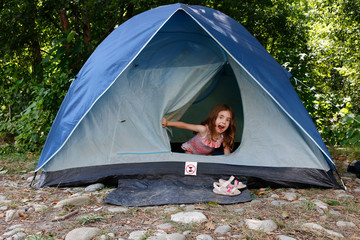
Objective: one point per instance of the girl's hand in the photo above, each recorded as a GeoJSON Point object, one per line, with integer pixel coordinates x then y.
{"type": "Point", "coordinates": [164, 122]}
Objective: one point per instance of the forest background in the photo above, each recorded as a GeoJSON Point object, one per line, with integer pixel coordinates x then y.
{"type": "Point", "coordinates": [44, 43]}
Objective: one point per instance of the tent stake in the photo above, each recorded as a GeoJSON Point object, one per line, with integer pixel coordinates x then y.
{"type": "Point", "coordinates": [32, 182]}
{"type": "Point", "coordinates": [342, 182]}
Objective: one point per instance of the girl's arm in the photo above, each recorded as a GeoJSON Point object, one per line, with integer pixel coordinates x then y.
{"type": "Point", "coordinates": [192, 127]}
{"type": "Point", "coordinates": [227, 150]}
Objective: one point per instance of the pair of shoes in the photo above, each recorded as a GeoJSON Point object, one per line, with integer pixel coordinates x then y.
{"type": "Point", "coordinates": [227, 191]}
{"type": "Point", "coordinates": [224, 187]}
{"type": "Point", "coordinates": [237, 184]}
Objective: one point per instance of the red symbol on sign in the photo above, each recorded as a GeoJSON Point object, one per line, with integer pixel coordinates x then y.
{"type": "Point", "coordinates": [190, 169]}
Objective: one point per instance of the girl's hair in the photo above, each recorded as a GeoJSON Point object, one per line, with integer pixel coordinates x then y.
{"type": "Point", "coordinates": [229, 134]}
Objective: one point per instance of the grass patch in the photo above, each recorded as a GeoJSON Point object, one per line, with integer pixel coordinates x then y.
{"type": "Point", "coordinates": [89, 218]}
{"type": "Point", "coordinates": [332, 202]}
{"type": "Point", "coordinates": [39, 236]}
{"type": "Point", "coordinates": [18, 163]}
{"type": "Point", "coordinates": [309, 206]}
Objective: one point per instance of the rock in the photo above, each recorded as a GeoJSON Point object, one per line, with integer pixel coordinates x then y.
{"type": "Point", "coordinates": [341, 195]}
{"type": "Point", "coordinates": [38, 207]}
{"type": "Point", "coordinates": [265, 225]}
{"type": "Point", "coordinates": [107, 236]}
{"type": "Point", "coordinates": [345, 224]}
{"type": "Point", "coordinates": [189, 208]}
{"type": "Point", "coordinates": [317, 229]}
{"type": "Point", "coordinates": [275, 196]}
{"type": "Point", "coordinates": [15, 226]}
{"type": "Point", "coordinates": [319, 210]}
{"type": "Point", "coordinates": [283, 237]}
{"type": "Point", "coordinates": [241, 224]}
{"type": "Point", "coordinates": [223, 229]}
{"type": "Point", "coordinates": [160, 233]}
{"type": "Point", "coordinates": [117, 209]}
{"type": "Point", "coordinates": [357, 190]}
{"type": "Point", "coordinates": [256, 201]}
{"type": "Point", "coordinates": [297, 203]}
{"type": "Point", "coordinates": [174, 236]}
{"type": "Point", "coordinates": [165, 226]}
{"type": "Point", "coordinates": [188, 217]}
{"type": "Point", "coordinates": [5, 201]}
{"type": "Point", "coordinates": [320, 204]}
{"type": "Point", "coordinates": [279, 202]}
{"type": "Point", "coordinates": [19, 236]}
{"type": "Point", "coordinates": [94, 187]}
{"type": "Point", "coordinates": [237, 237]}
{"type": "Point", "coordinates": [13, 231]}
{"type": "Point", "coordinates": [290, 196]}
{"type": "Point", "coordinates": [170, 209]}
{"type": "Point", "coordinates": [239, 210]}
{"type": "Point", "coordinates": [3, 208]}
{"type": "Point", "coordinates": [75, 201]}
{"type": "Point", "coordinates": [204, 237]}
{"type": "Point", "coordinates": [333, 212]}
{"type": "Point", "coordinates": [9, 215]}
{"type": "Point", "coordinates": [137, 235]}
{"type": "Point", "coordinates": [159, 237]}
{"type": "Point", "coordinates": [2, 198]}
{"type": "Point", "coordinates": [84, 233]}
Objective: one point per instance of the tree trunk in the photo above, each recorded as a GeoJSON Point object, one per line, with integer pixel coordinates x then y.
{"type": "Point", "coordinates": [129, 11]}
{"type": "Point", "coordinates": [34, 43]}
{"type": "Point", "coordinates": [65, 25]}
{"type": "Point", "coordinates": [86, 27]}
{"type": "Point", "coordinates": [37, 58]}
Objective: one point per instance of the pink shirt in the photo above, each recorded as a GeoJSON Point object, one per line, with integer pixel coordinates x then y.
{"type": "Point", "coordinates": [202, 145]}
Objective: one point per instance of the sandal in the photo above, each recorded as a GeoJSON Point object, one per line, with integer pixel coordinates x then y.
{"type": "Point", "coordinates": [227, 191]}
{"type": "Point", "coordinates": [237, 184]}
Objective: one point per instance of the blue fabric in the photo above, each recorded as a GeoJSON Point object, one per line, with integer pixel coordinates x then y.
{"type": "Point", "coordinates": [260, 64]}
{"type": "Point", "coordinates": [114, 54]}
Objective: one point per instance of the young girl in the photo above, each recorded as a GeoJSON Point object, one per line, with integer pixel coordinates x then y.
{"type": "Point", "coordinates": [218, 128]}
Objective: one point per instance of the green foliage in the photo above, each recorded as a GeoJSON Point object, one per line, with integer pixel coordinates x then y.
{"type": "Point", "coordinates": [309, 206]}
{"type": "Point", "coordinates": [47, 42]}
{"type": "Point", "coordinates": [333, 63]}
{"type": "Point", "coordinates": [332, 202]}
{"type": "Point", "coordinates": [39, 236]}
{"type": "Point", "coordinates": [90, 218]}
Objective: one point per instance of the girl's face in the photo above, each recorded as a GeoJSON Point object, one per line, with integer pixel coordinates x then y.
{"type": "Point", "coordinates": [222, 121]}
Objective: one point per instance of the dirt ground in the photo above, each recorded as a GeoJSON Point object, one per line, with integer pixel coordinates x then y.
{"type": "Point", "coordinates": [55, 223]}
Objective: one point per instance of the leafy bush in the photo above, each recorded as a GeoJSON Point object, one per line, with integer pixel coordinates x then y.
{"type": "Point", "coordinates": [35, 121]}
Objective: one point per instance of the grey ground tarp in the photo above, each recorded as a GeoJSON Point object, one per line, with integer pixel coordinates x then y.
{"type": "Point", "coordinates": [170, 190]}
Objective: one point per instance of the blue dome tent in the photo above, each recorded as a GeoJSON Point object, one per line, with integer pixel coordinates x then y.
{"type": "Point", "coordinates": [179, 61]}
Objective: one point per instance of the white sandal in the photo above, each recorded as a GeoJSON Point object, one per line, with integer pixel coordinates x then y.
{"type": "Point", "coordinates": [227, 191]}
{"type": "Point", "coordinates": [237, 184]}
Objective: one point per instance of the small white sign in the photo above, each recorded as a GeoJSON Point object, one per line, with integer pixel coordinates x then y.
{"type": "Point", "coordinates": [190, 168]}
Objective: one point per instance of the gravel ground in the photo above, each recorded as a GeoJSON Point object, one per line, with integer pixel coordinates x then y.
{"type": "Point", "coordinates": [35, 212]}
